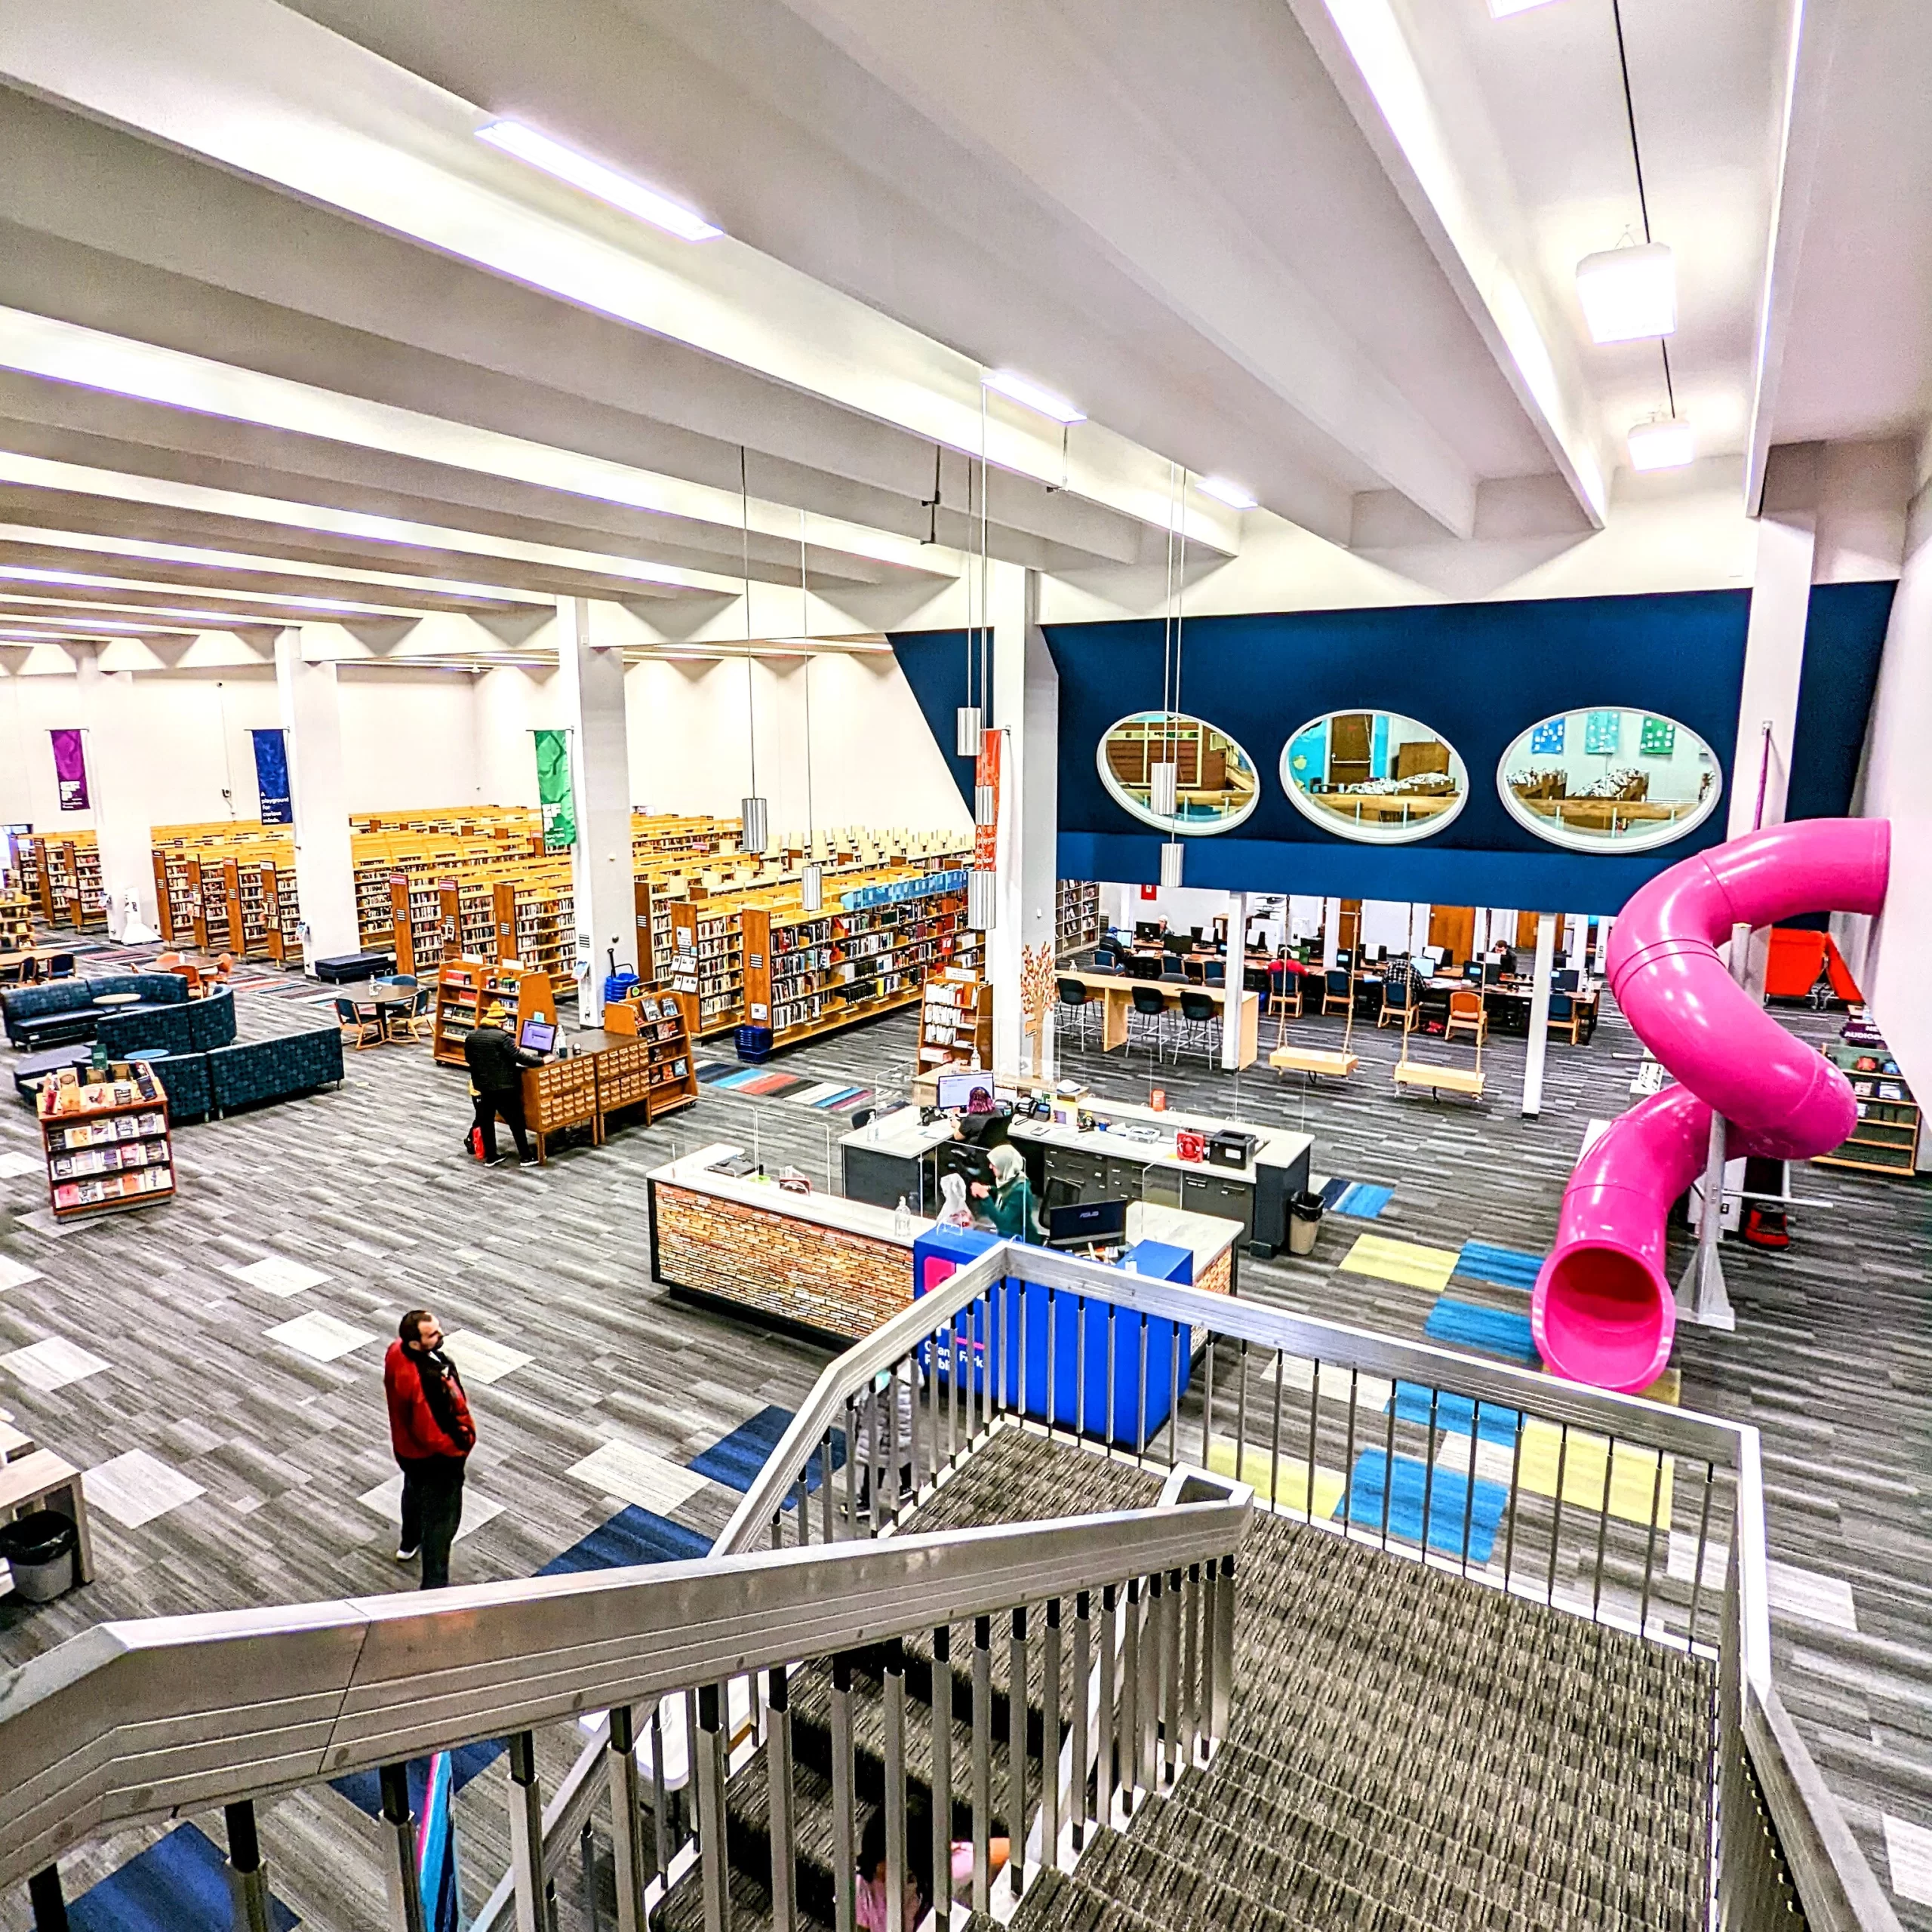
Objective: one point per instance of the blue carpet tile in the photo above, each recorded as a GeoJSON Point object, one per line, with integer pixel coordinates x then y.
{"type": "Point", "coordinates": [179, 1884]}
{"type": "Point", "coordinates": [1448, 1496]}
{"type": "Point", "coordinates": [1501, 1267]}
{"type": "Point", "coordinates": [1454, 1414]}
{"type": "Point", "coordinates": [1492, 1331]}
{"type": "Point", "coordinates": [632, 1535]}
{"type": "Point", "coordinates": [737, 1459]}
{"type": "Point", "coordinates": [710, 1071]}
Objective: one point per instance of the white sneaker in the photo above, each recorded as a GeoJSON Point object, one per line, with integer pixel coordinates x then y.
{"type": "Point", "coordinates": [408, 1555]}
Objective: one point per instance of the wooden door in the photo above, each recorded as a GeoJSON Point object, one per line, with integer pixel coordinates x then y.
{"type": "Point", "coordinates": [1350, 931]}
{"type": "Point", "coordinates": [1526, 932]}
{"type": "Point", "coordinates": [1454, 927]}
{"type": "Point", "coordinates": [1348, 738]}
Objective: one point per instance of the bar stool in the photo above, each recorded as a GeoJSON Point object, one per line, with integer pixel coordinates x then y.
{"type": "Point", "coordinates": [1076, 999]}
{"type": "Point", "coordinates": [1200, 1026]}
{"type": "Point", "coordinates": [1149, 1016]}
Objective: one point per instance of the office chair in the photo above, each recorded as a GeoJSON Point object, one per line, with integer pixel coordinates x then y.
{"type": "Point", "coordinates": [1149, 1016]}
{"type": "Point", "coordinates": [1564, 1016]}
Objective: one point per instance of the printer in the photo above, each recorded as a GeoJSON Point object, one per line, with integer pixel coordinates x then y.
{"type": "Point", "coordinates": [1231, 1148]}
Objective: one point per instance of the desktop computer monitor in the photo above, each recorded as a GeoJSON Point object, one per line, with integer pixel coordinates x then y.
{"type": "Point", "coordinates": [538, 1036]}
{"type": "Point", "coordinates": [1196, 932]}
{"type": "Point", "coordinates": [956, 1089]}
{"type": "Point", "coordinates": [1143, 966]}
{"type": "Point", "coordinates": [1177, 942]}
{"type": "Point", "coordinates": [1492, 972]}
{"type": "Point", "coordinates": [1086, 1222]}
{"type": "Point", "coordinates": [1344, 958]}
{"type": "Point", "coordinates": [1566, 981]}
{"type": "Point", "coordinates": [1147, 930]}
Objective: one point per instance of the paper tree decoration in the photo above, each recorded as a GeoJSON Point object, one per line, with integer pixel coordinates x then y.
{"type": "Point", "coordinates": [1659, 739]}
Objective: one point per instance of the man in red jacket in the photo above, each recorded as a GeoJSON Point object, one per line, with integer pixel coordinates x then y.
{"type": "Point", "coordinates": [432, 1434]}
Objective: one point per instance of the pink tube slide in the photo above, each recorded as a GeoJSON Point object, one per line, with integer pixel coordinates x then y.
{"type": "Point", "coordinates": [1604, 1311]}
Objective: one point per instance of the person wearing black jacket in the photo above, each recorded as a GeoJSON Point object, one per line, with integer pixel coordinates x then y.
{"type": "Point", "coordinates": [496, 1065]}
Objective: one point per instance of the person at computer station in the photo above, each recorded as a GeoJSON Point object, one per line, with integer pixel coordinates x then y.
{"type": "Point", "coordinates": [496, 1063]}
{"type": "Point", "coordinates": [1007, 1207]}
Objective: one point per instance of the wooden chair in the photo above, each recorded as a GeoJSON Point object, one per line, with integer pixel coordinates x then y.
{"type": "Point", "coordinates": [362, 1025]}
{"type": "Point", "coordinates": [12, 972]}
{"type": "Point", "coordinates": [1284, 991]}
{"type": "Point", "coordinates": [1466, 1016]}
{"type": "Point", "coordinates": [1398, 1004]}
{"type": "Point", "coordinates": [1337, 990]}
{"type": "Point", "coordinates": [416, 1022]}
{"type": "Point", "coordinates": [1565, 1015]}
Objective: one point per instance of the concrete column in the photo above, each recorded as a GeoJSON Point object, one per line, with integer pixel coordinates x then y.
{"type": "Point", "coordinates": [592, 680]}
{"type": "Point", "coordinates": [1026, 707]}
{"type": "Point", "coordinates": [324, 871]}
{"type": "Point", "coordinates": [122, 820]}
{"type": "Point", "coordinates": [1237, 962]}
{"type": "Point", "coordinates": [1539, 1043]}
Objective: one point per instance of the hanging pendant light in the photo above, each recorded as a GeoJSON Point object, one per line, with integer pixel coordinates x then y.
{"type": "Point", "coordinates": [753, 810]}
{"type": "Point", "coordinates": [1165, 792]}
{"type": "Point", "coordinates": [969, 728]}
{"type": "Point", "coordinates": [982, 901]}
{"type": "Point", "coordinates": [1170, 859]}
{"type": "Point", "coordinates": [811, 881]}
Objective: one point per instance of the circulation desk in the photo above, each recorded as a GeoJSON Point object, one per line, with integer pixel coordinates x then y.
{"type": "Point", "coordinates": [822, 1265]}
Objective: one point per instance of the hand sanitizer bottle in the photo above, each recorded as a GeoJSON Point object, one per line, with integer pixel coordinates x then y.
{"type": "Point", "coordinates": [902, 1220]}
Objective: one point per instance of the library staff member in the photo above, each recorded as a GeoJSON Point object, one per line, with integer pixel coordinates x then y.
{"type": "Point", "coordinates": [496, 1064]}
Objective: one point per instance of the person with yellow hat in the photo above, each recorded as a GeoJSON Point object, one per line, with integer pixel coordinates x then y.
{"type": "Point", "coordinates": [495, 1079]}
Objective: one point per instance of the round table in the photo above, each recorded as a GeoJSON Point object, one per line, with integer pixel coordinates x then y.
{"type": "Point", "coordinates": [116, 999]}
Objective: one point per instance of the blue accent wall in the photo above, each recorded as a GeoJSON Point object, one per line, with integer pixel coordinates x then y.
{"type": "Point", "coordinates": [1478, 675]}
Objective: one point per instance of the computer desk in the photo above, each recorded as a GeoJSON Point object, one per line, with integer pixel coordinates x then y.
{"type": "Point", "coordinates": [1116, 990]}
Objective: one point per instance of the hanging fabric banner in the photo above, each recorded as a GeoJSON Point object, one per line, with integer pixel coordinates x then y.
{"type": "Point", "coordinates": [553, 790]}
{"type": "Point", "coordinates": [985, 833]}
{"type": "Point", "coordinates": [70, 770]}
{"type": "Point", "coordinates": [435, 1844]}
{"type": "Point", "coordinates": [272, 778]}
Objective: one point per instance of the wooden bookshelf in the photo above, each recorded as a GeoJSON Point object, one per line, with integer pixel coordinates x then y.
{"type": "Point", "coordinates": [465, 987]}
{"type": "Point", "coordinates": [1078, 923]}
{"type": "Point", "coordinates": [1885, 1141]}
{"type": "Point", "coordinates": [956, 1021]}
{"type": "Point", "coordinates": [652, 1065]}
{"type": "Point", "coordinates": [17, 911]}
{"type": "Point", "coordinates": [106, 1138]}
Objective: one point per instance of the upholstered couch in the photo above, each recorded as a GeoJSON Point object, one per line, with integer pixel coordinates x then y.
{"type": "Point", "coordinates": [59, 1012]}
{"type": "Point", "coordinates": [193, 1027]}
{"type": "Point", "coordinates": [256, 1070]}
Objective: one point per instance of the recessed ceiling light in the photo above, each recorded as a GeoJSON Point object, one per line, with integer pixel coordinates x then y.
{"type": "Point", "coordinates": [1501, 10]}
{"type": "Point", "coordinates": [1629, 294]}
{"type": "Point", "coordinates": [1664, 443]}
{"type": "Point", "coordinates": [594, 178]}
{"type": "Point", "coordinates": [1232, 494]}
{"type": "Point", "coordinates": [1023, 389]}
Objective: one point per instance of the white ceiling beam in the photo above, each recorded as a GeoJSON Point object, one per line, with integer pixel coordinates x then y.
{"type": "Point", "coordinates": [1443, 160]}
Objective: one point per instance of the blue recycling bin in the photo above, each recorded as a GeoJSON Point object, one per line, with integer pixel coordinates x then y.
{"type": "Point", "coordinates": [1113, 1356]}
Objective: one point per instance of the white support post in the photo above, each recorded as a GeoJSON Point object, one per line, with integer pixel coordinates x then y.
{"type": "Point", "coordinates": [116, 756]}
{"type": "Point", "coordinates": [1233, 990]}
{"type": "Point", "coordinates": [602, 880]}
{"type": "Point", "coordinates": [1539, 1041]}
{"type": "Point", "coordinates": [1026, 707]}
{"type": "Point", "coordinates": [324, 869]}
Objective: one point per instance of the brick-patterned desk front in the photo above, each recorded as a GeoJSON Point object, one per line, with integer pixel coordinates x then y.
{"type": "Point", "coordinates": [797, 1270]}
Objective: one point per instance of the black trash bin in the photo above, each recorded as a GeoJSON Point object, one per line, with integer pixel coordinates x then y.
{"type": "Point", "coordinates": [1304, 1222]}
{"type": "Point", "coordinates": [39, 1549]}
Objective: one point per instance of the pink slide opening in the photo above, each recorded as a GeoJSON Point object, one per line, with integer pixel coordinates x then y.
{"type": "Point", "coordinates": [1603, 1311]}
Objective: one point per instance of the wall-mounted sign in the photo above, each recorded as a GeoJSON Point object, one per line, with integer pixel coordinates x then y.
{"type": "Point", "coordinates": [1375, 776]}
{"type": "Point", "coordinates": [1627, 780]}
{"type": "Point", "coordinates": [272, 778]}
{"type": "Point", "coordinates": [70, 770]}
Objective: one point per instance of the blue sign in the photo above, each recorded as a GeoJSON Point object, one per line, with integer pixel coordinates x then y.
{"type": "Point", "coordinates": [272, 778]}
{"type": "Point", "coordinates": [902, 889]}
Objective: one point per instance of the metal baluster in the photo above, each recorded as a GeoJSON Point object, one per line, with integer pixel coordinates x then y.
{"type": "Point", "coordinates": [1103, 1773]}
{"type": "Point", "coordinates": [1179, 1335]}
{"type": "Point", "coordinates": [1153, 1651]}
{"type": "Point", "coordinates": [1017, 1728]}
{"type": "Point", "coordinates": [1140, 1402]}
{"type": "Point", "coordinates": [1650, 1546]}
{"type": "Point", "coordinates": [1083, 1637]}
{"type": "Point", "coordinates": [982, 1773]}
{"type": "Point", "coordinates": [1003, 1324]}
{"type": "Point", "coordinates": [1349, 1459]}
{"type": "Point", "coordinates": [851, 1469]}
{"type": "Point", "coordinates": [942, 1777]}
{"type": "Point", "coordinates": [952, 1373]}
{"type": "Point", "coordinates": [1314, 1432]}
{"type": "Point", "coordinates": [1515, 1484]}
{"type": "Point", "coordinates": [49, 1906]}
{"type": "Point", "coordinates": [660, 1803]}
{"type": "Point", "coordinates": [1208, 1400]}
{"type": "Point", "coordinates": [247, 1879]}
{"type": "Point", "coordinates": [1275, 1437]}
{"type": "Point", "coordinates": [1388, 1463]}
{"type": "Point", "coordinates": [1080, 1363]}
{"type": "Point", "coordinates": [1697, 1571]}
{"type": "Point", "coordinates": [1428, 1472]}
{"type": "Point", "coordinates": [778, 1529]}
{"type": "Point", "coordinates": [1191, 1666]}
{"type": "Point", "coordinates": [1224, 1646]}
{"type": "Point", "coordinates": [1053, 1387]}
{"type": "Point", "coordinates": [1556, 1521]}
{"type": "Point", "coordinates": [405, 1895]}
{"type": "Point", "coordinates": [1022, 1391]}
{"type": "Point", "coordinates": [825, 1485]}
{"type": "Point", "coordinates": [801, 1511]}
{"type": "Point", "coordinates": [895, 1791]}
{"type": "Point", "coordinates": [708, 1773]}
{"type": "Point", "coordinates": [627, 1818]}
{"type": "Point", "coordinates": [1110, 1398]}
{"type": "Point", "coordinates": [1240, 1412]}
{"type": "Point", "coordinates": [876, 1473]}
{"type": "Point", "coordinates": [844, 1852]}
{"type": "Point", "coordinates": [1210, 1596]}
{"type": "Point", "coordinates": [1469, 1482]}
{"type": "Point", "coordinates": [586, 1872]}
{"type": "Point", "coordinates": [1170, 1678]}
{"type": "Point", "coordinates": [1603, 1528]}
{"type": "Point", "coordinates": [1049, 1738]}
{"type": "Point", "coordinates": [1128, 1737]}
{"type": "Point", "coordinates": [781, 1801]}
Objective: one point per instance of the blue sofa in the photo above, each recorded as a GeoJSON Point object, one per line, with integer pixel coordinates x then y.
{"type": "Point", "coordinates": [193, 1027]}
{"type": "Point", "coordinates": [257, 1070]}
{"type": "Point", "coordinates": [60, 1012]}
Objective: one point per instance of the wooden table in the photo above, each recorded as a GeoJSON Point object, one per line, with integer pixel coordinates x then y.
{"type": "Point", "coordinates": [1117, 1002]}
{"type": "Point", "coordinates": [39, 956]}
{"type": "Point", "coordinates": [115, 999]}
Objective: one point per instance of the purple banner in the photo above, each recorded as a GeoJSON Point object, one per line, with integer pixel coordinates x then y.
{"type": "Point", "coordinates": [70, 770]}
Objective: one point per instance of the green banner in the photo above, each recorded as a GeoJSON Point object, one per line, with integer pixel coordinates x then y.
{"type": "Point", "coordinates": [553, 790]}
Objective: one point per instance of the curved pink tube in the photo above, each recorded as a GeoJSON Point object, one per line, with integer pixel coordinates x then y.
{"type": "Point", "coordinates": [1603, 1311]}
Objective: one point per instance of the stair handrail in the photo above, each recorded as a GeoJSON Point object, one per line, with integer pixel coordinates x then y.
{"type": "Point", "coordinates": [143, 1721]}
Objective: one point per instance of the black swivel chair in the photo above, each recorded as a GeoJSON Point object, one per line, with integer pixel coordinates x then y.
{"type": "Point", "coordinates": [1150, 1017]}
{"type": "Point", "coordinates": [1200, 1026]}
{"type": "Point", "coordinates": [1076, 999]}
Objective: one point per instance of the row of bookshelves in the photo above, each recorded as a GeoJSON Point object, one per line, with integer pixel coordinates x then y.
{"type": "Point", "coordinates": [1078, 923]}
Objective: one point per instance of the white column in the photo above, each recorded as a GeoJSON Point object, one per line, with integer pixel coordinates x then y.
{"type": "Point", "coordinates": [1237, 967]}
{"type": "Point", "coordinates": [592, 683]}
{"type": "Point", "coordinates": [1026, 707]}
{"type": "Point", "coordinates": [324, 871]}
{"type": "Point", "coordinates": [121, 820]}
{"type": "Point", "coordinates": [1539, 1043]}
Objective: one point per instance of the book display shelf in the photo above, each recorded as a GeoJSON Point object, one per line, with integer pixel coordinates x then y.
{"type": "Point", "coordinates": [465, 988]}
{"type": "Point", "coordinates": [105, 1134]}
{"type": "Point", "coordinates": [1885, 1141]}
{"type": "Point", "coordinates": [654, 1066]}
{"type": "Point", "coordinates": [15, 922]}
{"type": "Point", "coordinates": [1079, 923]}
{"type": "Point", "coordinates": [956, 1021]}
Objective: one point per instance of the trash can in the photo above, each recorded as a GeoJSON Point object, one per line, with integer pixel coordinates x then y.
{"type": "Point", "coordinates": [754, 1045]}
{"type": "Point", "coordinates": [1304, 1222]}
{"type": "Point", "coordinates": [39, 1549]}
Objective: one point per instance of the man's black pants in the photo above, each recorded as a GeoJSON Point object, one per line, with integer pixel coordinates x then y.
{"type": "Point", "coordinates": [431, 1512]}
{"type": "Point", "coordinates": [508, 1104]}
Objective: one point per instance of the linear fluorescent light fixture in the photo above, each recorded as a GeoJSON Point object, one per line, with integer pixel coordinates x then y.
{"type": "Point", "coordinates": [553, 159]}
{"type": "Point", "coordinates": [1629, 294]}
{"type": "Point", "coordinates": [1664, 443]}
{"type": "Point", "coordinates": [1024, 389]}
{"type": "Point", "coordinates": [1501, 10]}
{"type": "Point", "coordinates": [1232, 494]}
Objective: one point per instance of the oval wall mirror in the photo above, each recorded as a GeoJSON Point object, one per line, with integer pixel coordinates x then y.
{"type": "Point", "coordinates": [1215, 783]}
{"type": "Point", "coordinates": [1375, 776]}
{"type": "Point", "coordinates": [1610, 780]}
